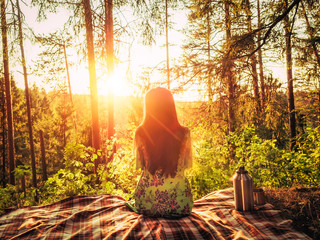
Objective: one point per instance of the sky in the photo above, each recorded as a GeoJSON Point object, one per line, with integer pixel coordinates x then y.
{"type": "Point", "coordinates": [141, 56]}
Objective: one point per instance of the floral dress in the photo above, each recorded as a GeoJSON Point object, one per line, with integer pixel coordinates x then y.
{"type": "Point", "coordinates": [157, 195]}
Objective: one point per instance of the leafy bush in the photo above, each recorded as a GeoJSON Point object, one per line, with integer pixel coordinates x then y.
{"type": "Point", "coordinates": [266, 163]}
{"type": "Point", "coordinates": [120, 176]}
{"type": "Point", "coordinates": [75, 178]}
{"type": "Point", "coordinates": [117, 177]}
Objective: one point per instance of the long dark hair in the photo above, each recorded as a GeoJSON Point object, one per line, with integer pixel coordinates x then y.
{"type": "Point", "coordinates": [160, 132]}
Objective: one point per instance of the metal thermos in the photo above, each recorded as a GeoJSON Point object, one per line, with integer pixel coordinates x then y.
{"type": "Point", "coordinates": [238, 189]}
{"type": "Point", "coordinates": [247, 191]}
{"type": "Point", "coordinates": [243, 190]}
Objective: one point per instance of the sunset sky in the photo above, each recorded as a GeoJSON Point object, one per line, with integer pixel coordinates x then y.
{"type": "Point", "coordinates": [140, 56]}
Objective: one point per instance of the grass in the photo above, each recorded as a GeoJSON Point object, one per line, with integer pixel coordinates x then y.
{"type": "Point", "coordinates": [301, 205]}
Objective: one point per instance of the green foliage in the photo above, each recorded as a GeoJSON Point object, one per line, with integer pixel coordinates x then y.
{"type": "Point", "coordinates": [117, 177]}
{"type": "Point", "coordinates": [9, 196]}
{"type": "Point", "coordinates": [271, 166]}
{"type": "Point", "coordinates": [120, 176]}
{"type": "Point", "coordinates": [75, 178]}
{"type": "Point", "coordinates": [215, 160]}
{"type": "Point", "coordinates": [268, 165]}
{"type": "Point", "coordinates": [22, 171]}
{"type": "Point", "coordinates": [209, 171]}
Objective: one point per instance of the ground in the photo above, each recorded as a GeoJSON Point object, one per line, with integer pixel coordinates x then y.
{"type": "Point", "coordinates": [300, 204]}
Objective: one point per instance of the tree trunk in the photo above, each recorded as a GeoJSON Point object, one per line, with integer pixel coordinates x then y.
{"type": "Point", "coordinates": [64, 118]}
{"type": "Point", "coordinates": [228, 69]}
{"type": "Point", "coordinates": [3, 124]}
{"type": "Point", "coordinates": [110, 63]}
{"type": "Point", "coordinates": [69, 84]}
{"type": "Point", "coordinates": [262, 84]}
{"type": "Point", "coordinates": [209, 60]}
{"type": "Point", "coordinates": [23, 183]}
{"type": "Point", "coordinates": [43, 157]}
{"type": "Point", "coordinates": [167, 46]}
{"type": "Point", "coordinates": [92, 76]}
{"type": "Point", "coordinates": [67, 70]}
{"type": "Point", "coordinates": [253, 60]}
{"type": "Point", "coordinates": [8, 93]}
{"type": "Point", "coordinates": [25, 74]}
{"type": "Point", "coordinates": [291, 108]}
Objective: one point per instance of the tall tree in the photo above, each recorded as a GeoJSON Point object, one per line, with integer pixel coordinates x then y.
{"type": "Point", "coordinates": [25, 74]}
{"type": "Point", "coordinates": [43, 157]}
{"type": "Point", "coordinates": [291, 107]}
{"type": "Point", "coordinates": [10, 132]}
{"type": "Point", "coordinates": [3, 132]}
{"type": "Point", "coordinates": [156, 12]}
{"type": "Point", "coordinates": [92, 77]}
{"type": "Point", "coordinates": [56, 48]}
{"type": "Point", "coordinates": [253, 59]}
{"type": "Point", "coordinates": [167, 46]}
{"type": "Point", "coordinates": [227, 68]}
{"type": "Point", "coordinates": [110, 62]}
{"type": "Point", "coordinates": [262, 82]}
{"type": "Point", "coordinates": [69, 86]}
{"type": "Point", "coordinates": [209, 84]}
{"type": "Point", "coordinates": [200, 53]}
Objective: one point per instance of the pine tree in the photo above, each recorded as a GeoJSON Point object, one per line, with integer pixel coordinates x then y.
{"type": "Point", "coordinates": [110, 62]}
{"type": "Point", "coordinates": [3, 132]}
{"type": "Point", "coordinates": [92, 77]}
{"type": "Point", "coordinates": [25, 74]}
{"type": "Point", "coordinates": [291, 107]}
{"type": "Point", "coordinates": [253, 59]}
{"type": "Point", "coordinates": [227, 68]}
{"type": "Point", "coordinates": [10, 133]}
{"type": "Point", "coordinates": [261, 75]}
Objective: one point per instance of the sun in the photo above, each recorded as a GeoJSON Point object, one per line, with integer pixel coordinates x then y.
{"type": "Point", "coordinates": [80, 83]}
{"type": "Point", "coordinates": [116, 83]}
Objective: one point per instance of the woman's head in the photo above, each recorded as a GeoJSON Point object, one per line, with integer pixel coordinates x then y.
{"type": "Point", "coordinates": [160, 108]}
{"type": "Point", "coordinates": [161, 132]}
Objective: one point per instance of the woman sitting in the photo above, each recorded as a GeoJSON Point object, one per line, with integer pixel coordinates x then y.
{"type": "Point", "coordinates": [163, 151]}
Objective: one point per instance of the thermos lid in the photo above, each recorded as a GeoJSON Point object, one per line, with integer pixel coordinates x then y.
{"type": "Point", "coordinates": [241, 170]}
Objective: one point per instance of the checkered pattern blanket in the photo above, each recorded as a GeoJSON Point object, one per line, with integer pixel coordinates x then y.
{"type": "Point", "coordinates": [107, 217]}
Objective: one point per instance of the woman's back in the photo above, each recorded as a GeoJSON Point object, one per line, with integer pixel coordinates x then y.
{"type": "Point", "coordinates": [159, 193]}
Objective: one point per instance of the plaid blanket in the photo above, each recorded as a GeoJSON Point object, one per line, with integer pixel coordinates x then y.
{"type": "Point", "coordinates": [107, 217]}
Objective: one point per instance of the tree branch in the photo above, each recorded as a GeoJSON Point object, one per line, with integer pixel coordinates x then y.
{"type": "Point", "coordinates": [272, 25]}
